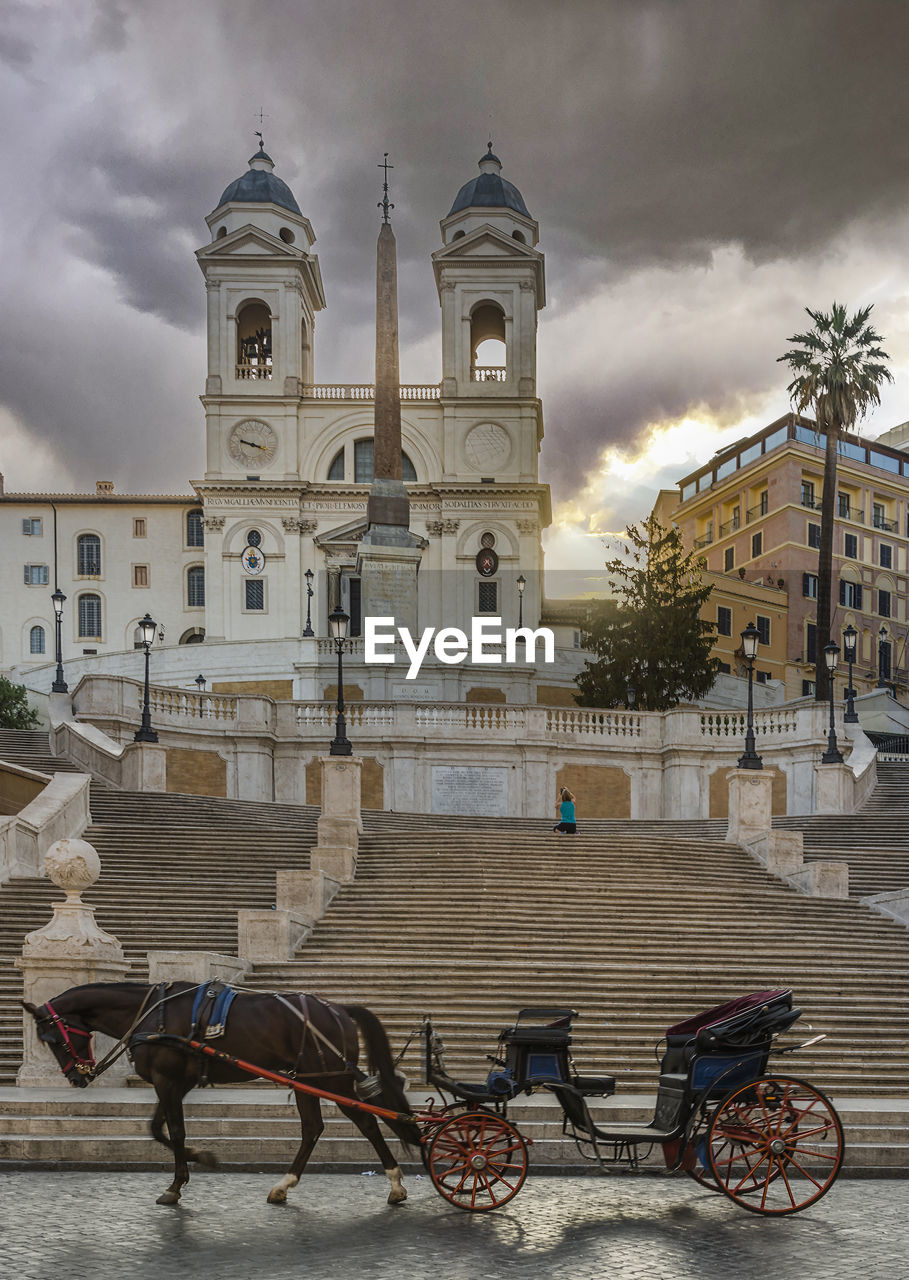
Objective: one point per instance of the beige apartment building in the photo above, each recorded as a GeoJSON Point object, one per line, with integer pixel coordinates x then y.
{"type": "Point", "coordinates": [753, 511]}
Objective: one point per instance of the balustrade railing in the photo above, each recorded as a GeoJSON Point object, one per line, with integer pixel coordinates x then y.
{"type": "Point", "coordinates": [367, 391]}
{"type": "Point", "coordinates": [199, 706]}
{"type": "Point", "coordinates": [595, 724]}
{"type": "Point", "coordinates": [247, 372]}
{"type": "Point", "coordinates": [488, 373]}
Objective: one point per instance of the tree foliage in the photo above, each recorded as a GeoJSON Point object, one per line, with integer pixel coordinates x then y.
{"type": "Point", "coordinates": [651, 635]}
{"type": "Point", "coordinates": [839, 369]}
{"type": "Point", "coordinates": [15, 712]}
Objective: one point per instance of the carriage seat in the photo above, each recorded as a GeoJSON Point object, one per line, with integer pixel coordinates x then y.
{"type": "Point", "coordinates": [594, 1086]}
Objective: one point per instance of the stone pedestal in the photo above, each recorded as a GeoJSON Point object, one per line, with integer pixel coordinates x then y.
{"type": "Point", "coordinates": [265, 936]}
{"type": "Point", "coordinates": [833, 788]}
{"type": "Point", "coordinates": [68, 951]}
{"type": "Point", "coordinates": [340, 822]}
{"type": "Point", "coordinates": [750, 804]}
{"type": "Point", "coordinates": [387, 562]}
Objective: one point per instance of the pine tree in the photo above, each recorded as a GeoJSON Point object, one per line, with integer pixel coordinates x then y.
{"type": "Point", "coordinates": [651, 635]}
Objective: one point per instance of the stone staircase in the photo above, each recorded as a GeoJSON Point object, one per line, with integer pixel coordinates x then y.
{"type": "Point", "coordinates": [30, 749]}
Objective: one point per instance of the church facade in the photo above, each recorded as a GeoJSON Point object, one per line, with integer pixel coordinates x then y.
{"type": "Point", "coordinates": [266, 544]}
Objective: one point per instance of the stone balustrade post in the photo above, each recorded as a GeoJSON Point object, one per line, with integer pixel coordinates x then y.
{"type": "Point", "coordinates": [70, 950]}
{"type": "Point", "coordinates": [340, 823]}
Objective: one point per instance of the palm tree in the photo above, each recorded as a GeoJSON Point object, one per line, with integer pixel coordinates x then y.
{"type": "Point", "coordinates": [838, 367]}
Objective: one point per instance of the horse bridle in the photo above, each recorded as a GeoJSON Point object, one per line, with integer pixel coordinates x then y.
{"type": "Point", "coordinates": [84, 1066]}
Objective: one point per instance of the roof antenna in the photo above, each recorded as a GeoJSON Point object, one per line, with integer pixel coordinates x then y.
{"type": "Point", "coordinates": [384, 204]}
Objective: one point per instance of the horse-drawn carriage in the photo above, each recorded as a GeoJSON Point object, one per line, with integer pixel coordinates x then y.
{"type": "Point", "coordinates": [771, 1142]}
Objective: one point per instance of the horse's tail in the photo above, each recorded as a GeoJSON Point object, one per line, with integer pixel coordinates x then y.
{"type": "Point", "coordinates": [378, 1057]}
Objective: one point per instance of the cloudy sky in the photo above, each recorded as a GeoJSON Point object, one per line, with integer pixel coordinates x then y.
{"type": "Point", "coordinates": [701, 170]}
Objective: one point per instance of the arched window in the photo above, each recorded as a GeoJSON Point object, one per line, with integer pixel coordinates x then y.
{"type": "Point", "coordinates": [487, 343]}
{"type": "Point", "coordinates": [195, 529]}
{"type": "Point", "coordinates": [195, 635]}
{"type": "Point", "coordinates": [89, 617]}
{"type": "Point", "coordinates": [336, 470]}
{"type": "Point", "coordinates": [36, 640]}
{"type": "Point", "coordinates": [254, 341]}
{"type": "Point", "coordinates": [88, 554]}
{"type": "Point", "coordinates": [195, 586]}
{"type": "Point", "coordinates": [364, 463]}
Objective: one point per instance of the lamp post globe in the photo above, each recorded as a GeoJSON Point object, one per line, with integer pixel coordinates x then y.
{"type": "Point", "coordinates": [58, 599]}
{"type": "Point", "coordinates": [148, 629]}
{"type": "Point", "coordinates": [631, 695]}
{"type": "Point", "coordinates": [832, 755]}
{"type": "Point", "coordinates": [338, 622]}
{"type": "Point", "coordinates": [750, 759]}
{"type": "Point", "coordinates": [850, 636]}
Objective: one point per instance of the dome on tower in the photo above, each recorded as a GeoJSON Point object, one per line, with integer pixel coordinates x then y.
{"type": "Point", "coordinates": [260, 186]}
{"type": "Point", "coordinates": [489, 190]}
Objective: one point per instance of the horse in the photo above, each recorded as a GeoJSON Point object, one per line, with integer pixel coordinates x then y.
{"type": "Point", "coordinates": [302, 1036]}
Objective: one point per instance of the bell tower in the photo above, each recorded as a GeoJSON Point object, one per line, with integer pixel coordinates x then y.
{"type": "Point", "coordinates": [491, 284]}
{"type": "Point", "coordinates": [264, 288]}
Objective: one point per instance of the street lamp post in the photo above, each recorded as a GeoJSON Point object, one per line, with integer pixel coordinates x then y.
{"type": "Point", "coordinates": [58, 599]}
{"type": "Point", "coordinates": [145, 733]}
{"type": "Point", "coordinates": [832, 755]}
{"type": "Point", "coordinates": [750, 758]}
{"type": "Point", "coordinates": [850, 635]}
{"type": "Point", "coordinates": [881, 642]}
{"type": "Point", "coordinates": [337, 625]}
{"type": "Point", "coordinates": [307, 630]}
{"type": "Point", "coordinates": [200, 685]}
{"type": "Point", "coordinates": [521, 584]}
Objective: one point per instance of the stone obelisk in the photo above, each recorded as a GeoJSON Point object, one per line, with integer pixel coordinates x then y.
{"type": "Point", "coordinates": [388, 557]}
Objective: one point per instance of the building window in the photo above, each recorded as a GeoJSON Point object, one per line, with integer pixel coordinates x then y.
{"type": "Point", "coordinates": [255, 594]}
{"type": "Point", "coordinates": [32, 527]}
{"type": "Point", "coordinates": [195, 587]}
{"type": "Point", "coordinates": [195, 529]}
{"type": "Point", "coordinates": [811, 644]}
{"type": "Point", "coordinates": [763, 629]}
{"type": "Point", "coordinates": [883, 603]}
{"type": "Point", "coordinates": [89, 617]}
{"type": "Point", "coordinates": [886, 556]}
{"type": "Point", "coordinates": [808, 494]}
{"type": "Point", "coordinates": [764, 503]}
{"type": "Point", "coordinates": [757, 543]}
{"type": "Point", "coordinates": [140, 575]}
{"type": "Point", "coordinates": [577, 639]}
{"type": "Point", "coordinates": [36, 575]}
{"type": "Point", "coordinates": [809, 585]}
{"type": "Point", "coordinates": [850, 594]}
{"type": "Point", "coordinates": [724, 669]}
{"type": "Point", "coordinates": [36, 640]}
{"type": "Point", "coordinates": [336, 470]}
{"type": "Point", "coordinates": [723, 621]}
{"type": "Point", "coordinates": [851, 546]}
{"type": "Point", "coordinates": [139, 528]}
{"type": "Point", "coordinates": [814, 536]}
{"type": "Point", "coordinates": [729, 559]}
{"type": "Point", "coordinates": [843, 506]}
{"type": "Point", "coordinates": [762, 676]}
{"type": "Point", "coordinates": [487, 597]}
{"type": "Point", "coordinates": [808, 688]}
{"type": "Point", "coordinates": [88, 555]}
{"type": "Point", "coordinates": [364, 462]}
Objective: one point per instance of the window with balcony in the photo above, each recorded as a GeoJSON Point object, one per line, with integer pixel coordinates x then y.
{"type": "Point", "coordinates": [843, 506]}
{"type": "Point", "coordinates": [883, 603]}
{"type": "Point", "coordinates": [254, 342]}
{"type": "Point", "coordinates": [487, 343]}
{"type": "Point", "coordinates": [808, 494]}
{"type": "Point", "coordinates": [723, 621]}
{"type": "Point", "coordinates": [850, 546]}
{"type": "Point", "coordinates": [850, 594]}
{"type": "Point", "coordinates": [88, 555]}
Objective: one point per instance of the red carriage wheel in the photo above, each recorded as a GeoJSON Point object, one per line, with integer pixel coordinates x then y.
{"type": "Point", "coordinates": [477, 1161]}
{"type": "Point", "coordinates": [775, 1146]}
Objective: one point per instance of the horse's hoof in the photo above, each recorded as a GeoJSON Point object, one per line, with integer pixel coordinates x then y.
{"type": "Point", "coordinates": [277, 1196]}
{"type": "Point", "coordinates": [397, 1197]}
{"type": "Point", "coordinates": [169, 1197]}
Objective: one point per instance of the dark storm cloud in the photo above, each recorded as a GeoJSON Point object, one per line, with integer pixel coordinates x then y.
{"type": "Point", "coordinates": [644, 134]}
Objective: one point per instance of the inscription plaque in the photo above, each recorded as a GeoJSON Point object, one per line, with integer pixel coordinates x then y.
{"type": "Point", "coordinates": [470, 789]}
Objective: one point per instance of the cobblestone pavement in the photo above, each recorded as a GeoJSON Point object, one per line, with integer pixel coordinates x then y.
{"type": "Point", "coordinates": [105, 1225]}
